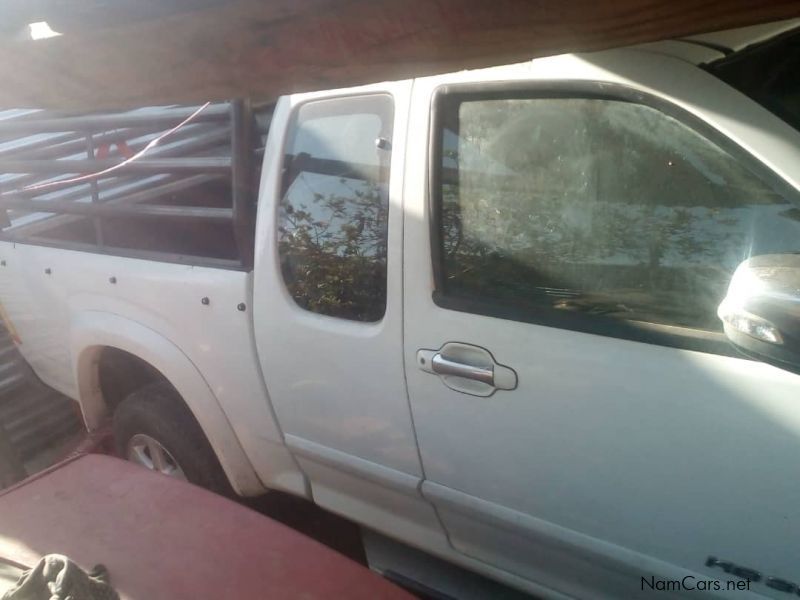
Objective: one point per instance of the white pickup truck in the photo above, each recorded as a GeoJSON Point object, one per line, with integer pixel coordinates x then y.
{"type": "Point", "coordinates": [523, 318]}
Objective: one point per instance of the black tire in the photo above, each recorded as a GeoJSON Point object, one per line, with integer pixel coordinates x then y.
{"type": "Point", "coordinates": [158, 410]}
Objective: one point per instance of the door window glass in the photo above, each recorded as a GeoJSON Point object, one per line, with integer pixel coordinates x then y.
{"type": "Point", "coordinates": [597, 207]}
{"type": "Point", "coordinates": [334, 207]}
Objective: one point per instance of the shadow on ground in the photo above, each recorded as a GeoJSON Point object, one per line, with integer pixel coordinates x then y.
{"type": "Point", "coordinates": [336, 532]}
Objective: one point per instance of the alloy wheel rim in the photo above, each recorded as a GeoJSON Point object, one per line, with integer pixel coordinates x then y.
{"type": "Point", "coordinates": [151, 454]}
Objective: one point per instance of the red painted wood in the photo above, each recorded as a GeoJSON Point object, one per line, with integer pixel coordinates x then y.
{"type": "Point", "coordinates": [165, 539]}
{"type": "Point", "coordinates": [127, 55]}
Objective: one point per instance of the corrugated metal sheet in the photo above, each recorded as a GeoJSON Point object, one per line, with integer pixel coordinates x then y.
{"type": "Point", "coordinates": [34, 416]}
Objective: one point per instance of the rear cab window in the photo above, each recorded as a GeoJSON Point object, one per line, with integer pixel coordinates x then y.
{"type": "Point", "coordinates": [334, 206]}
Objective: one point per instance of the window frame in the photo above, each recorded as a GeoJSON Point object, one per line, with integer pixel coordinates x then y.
{"type": "Point", "coordinates": [288, 139]}
{"type": "Point", "coordinates": [638, 331]}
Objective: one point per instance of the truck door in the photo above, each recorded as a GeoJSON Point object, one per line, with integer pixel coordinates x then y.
{"type": "Point", "coordinates": [328, 303]}
{"type": "Point", "coordinates": [581, 420]}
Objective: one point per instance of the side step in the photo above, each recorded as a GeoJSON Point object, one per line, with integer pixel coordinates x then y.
{"type": "Point", "coordinates": [429, 577]}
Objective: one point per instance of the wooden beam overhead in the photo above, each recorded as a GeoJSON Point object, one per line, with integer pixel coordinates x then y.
{"type": "Point", "coordinates": [142, 52]}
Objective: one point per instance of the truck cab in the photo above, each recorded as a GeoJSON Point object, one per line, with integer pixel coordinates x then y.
{"type": "Point", "coordinates": [482, 318]}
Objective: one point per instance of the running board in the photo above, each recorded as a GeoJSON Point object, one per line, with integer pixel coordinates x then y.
{"type": "Point", "coordinates": [429, 577]}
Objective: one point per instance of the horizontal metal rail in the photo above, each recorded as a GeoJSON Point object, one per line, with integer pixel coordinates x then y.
{"type": "Point", "coordinates": [64, 145]}
{"type": "Point", "coordinates": [133, 192]}
{"type": "Point", "coordinates": [157, 255]}
{"type": "Point", "coordinates": [89, 123]}
{"type": "Point", "coordinates": [31, 147]}
{"type": "Point", "coordinates": [201, 141]}
{"type": "Point", "coordinates": [118, 210]}
{"type": "Point", "coordinates": [151, 192]}
{"type": "Point", "coordinates": [217, 165]}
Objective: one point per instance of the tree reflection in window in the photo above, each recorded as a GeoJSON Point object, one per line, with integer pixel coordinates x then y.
{"type": "Point", "coordinates": [333, 215]}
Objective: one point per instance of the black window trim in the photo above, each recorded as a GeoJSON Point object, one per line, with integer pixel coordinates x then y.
{"type": "Point", "coordinates": [288, 139]}
{"type": "Point", "coordinates": [644, 332]}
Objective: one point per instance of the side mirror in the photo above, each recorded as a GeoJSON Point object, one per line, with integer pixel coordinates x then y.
{"type": "Point", "coordinates": [761, 313]}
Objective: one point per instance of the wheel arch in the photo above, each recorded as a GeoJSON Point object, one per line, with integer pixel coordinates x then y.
{"type": "Point", "coordinates": [93, 332]}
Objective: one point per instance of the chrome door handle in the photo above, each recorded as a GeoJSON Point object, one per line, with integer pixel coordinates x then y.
{"type": "Point", "coordinates": [443, 366]}
{"type": "Point", "coordinates": [467, 368]}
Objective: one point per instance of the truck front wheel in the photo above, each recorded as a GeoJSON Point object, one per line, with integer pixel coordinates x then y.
{"type": "Point", "coordinates": [155, 429]}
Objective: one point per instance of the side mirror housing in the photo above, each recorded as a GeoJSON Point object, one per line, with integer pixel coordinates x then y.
{"type": "Point", "coordinates": [761, 313]}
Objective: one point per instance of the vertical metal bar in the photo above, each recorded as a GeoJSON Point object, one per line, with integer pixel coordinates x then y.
{"type": "Point", "coordinates": [98, 222]}
{"type": "Point", "coordinates": [243, 180]}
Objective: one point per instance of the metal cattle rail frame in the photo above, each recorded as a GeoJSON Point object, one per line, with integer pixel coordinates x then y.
{"type": "Point", "coordinates": [38, 148]}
